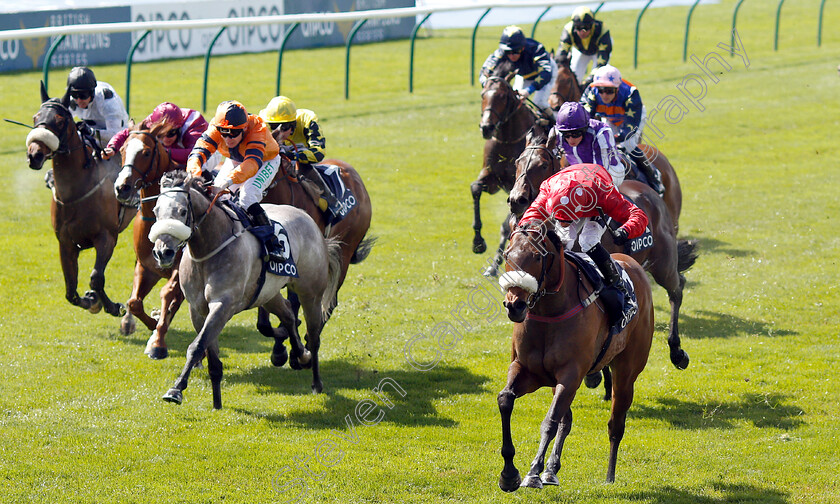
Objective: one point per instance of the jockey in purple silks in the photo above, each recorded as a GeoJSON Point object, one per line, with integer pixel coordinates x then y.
{"type": "Point", "coordinates": [585, 140]}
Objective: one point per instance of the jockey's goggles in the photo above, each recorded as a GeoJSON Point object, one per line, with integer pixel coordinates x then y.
{"type": "Point", "coordinates": [606, 90]}
{"type": "Point", "coordinates": [574, 133]}
{"type": "Point", "coordinates": [583, 26]}
{"type": "Point", "coordinates": [229, 132]}
{"type": "Point", "coordinates": [171, 133]}
{"type": "Point", "coordinates": [514, 51]}
{"type": "Point", "coordinates": [286, 126]}
{"type": "Point", "coordinates": [81, 94]}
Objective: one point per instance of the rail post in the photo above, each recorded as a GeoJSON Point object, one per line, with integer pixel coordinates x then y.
{"type": "Point", "coordinates": [350, 37]}
{"type": "Point", "coordinates": [128, 61]}
{"type": "Point", "coordinates": [48, 59]}
{"type": "Point", "coordinates": [776, 33]}
{"type": "Point", "coordinates": [280, 55]}
{"type": "Point", "coordinates": [411, 53]}
{"type": "Point", "coordinates": [207, 68]}
{"type": "Point", "coordinates": [687, 23]}
{"type": "Point", "coordinates": [472, 48]}
{"type": "Point", "coordinates": [636, 37]}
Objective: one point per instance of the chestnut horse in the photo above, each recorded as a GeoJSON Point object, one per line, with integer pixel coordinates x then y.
{"type": "Point", "coordinates": [666, 260]}
{"type": "Point", "coordinates": [558, 339]}
{"type": "Point", "coordinates": [144, 161]}
{"type": "Point", "coordinates": [84, 211]}
{"type": "Point", "coordinates": [349, 232]}
{"type": "Point", "coordinates": [566, 87]}
{"type": "Point", "coordinates": [504, 123]}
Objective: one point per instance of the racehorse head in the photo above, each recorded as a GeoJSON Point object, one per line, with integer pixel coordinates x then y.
{"type": "Point", "coordinates": [534, 266]}
{"type": "Point", "coordinates": [144, 160]}
{"type": "Point", "coordinates": [536, 163]}
{"type": "Point", "coordinates": [498, 103]}
{"type": "Point", "coordinates": [566, 87]}
{"type": "Point", "coordinates": [54, 127]}
{"type": "Point", "coordinates": [175, 217]}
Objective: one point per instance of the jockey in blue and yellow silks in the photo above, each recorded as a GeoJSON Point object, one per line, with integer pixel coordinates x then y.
{"type": "Point", "coordinates": [617, 102]}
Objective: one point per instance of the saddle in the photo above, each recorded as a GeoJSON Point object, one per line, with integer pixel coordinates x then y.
{"type": "Point", "coordinates": [620, 309]}
{"type": "Point", "coordinates": [264, 234]}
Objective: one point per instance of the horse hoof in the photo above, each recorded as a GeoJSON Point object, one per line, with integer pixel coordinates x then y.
{"type": "Point", "coordinates": [173, 395]}
{"type": "Point", "coordinates": [305, 359]}
{"type": "Point", "coordinates": [93, 298]}
{"type": "Point", "coordinates": [531, 481]}
{"type": "Point", "coordinates": [294, 363]}
{"type": "Point", "coordinates": [490, 271]}
{"type": "Point", "coordinates": [479, 246]}
{"type": "Point", "coordinates": [128, 325]}
{"type": "Point", "coordinates": [120, 310]}
{"type": "Point", "coordinates": [279, 358]}
{"type": "Point", "coordinates": [158, 353]}
{"type": "Point", "coordinates": [317, 388]}
{"type": "Point", "coordinates": [549, 478]}
{"type": "Point", "coordinates": [679, 359]}
{"type": "Point", "coordinates": [592, 380]}
{"type": "Point", "coordinates": [510, 484]}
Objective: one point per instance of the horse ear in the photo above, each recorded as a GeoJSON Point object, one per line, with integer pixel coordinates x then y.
{"type": "Point", "coordinates": [44, 95]}
{"type": "Point", "coordinates": [65, 100]}
{"type": "Point", "coordinates": [552, 139]}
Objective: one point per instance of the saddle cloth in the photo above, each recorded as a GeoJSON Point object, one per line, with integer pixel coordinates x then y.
{"type": "Point", "coordinates": [285, 268]}
{"type": "Point", "coordinates": [633, 245]}
{"type": "Point", "coordinates": [345, 198]}
{"type": "Point", "coordinates": [620, 309]}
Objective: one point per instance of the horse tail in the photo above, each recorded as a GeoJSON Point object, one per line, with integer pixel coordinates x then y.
{"type": "Point", "coordinates": [334, 259]}
{"type": "Point", "coordinates": [686, 254]}
{"type": "Point", "coordinates": [363, 250]}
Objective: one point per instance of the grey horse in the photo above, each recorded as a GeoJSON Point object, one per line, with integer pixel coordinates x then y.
{"type": "Point", "coordinates": [220, 271]}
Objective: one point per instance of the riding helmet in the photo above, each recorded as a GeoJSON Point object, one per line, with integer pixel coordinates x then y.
{"type": "Point", "coordinates": [167, 113]}
{"type": "Point", "coordinates": [582, 17]}
{"type": "Point", "coordinates": [512, 39]}
{"type": "Point", "coordinates": [572, 116]}
{"type": "Point", "coordinates": [279, 110]}
{"type": "Point", "coordinates": [608, 76]}
{"type": "Point", "coordinates": [230, 114]}
{"type": "Point", "coordinates": [81, 79]}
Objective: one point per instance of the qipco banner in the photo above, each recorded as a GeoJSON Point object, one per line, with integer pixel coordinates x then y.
{"type": "Point", "coordinates": [317, 34]}
{"type": "Point", "coordinates": [74, 50]}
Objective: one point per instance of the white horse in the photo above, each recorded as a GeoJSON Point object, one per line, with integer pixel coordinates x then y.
{"type": "Point", "coordinates": [220, 275]}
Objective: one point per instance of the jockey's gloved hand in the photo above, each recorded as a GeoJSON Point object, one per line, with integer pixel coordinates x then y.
{"type": "Point", "coordinates": [207, 176]}
{"type": "Point", "coordinates": [84, 128]}
{"type": "Point", "coordinates": [223, 184]}
{"type": "Point", "coordinates": [621, 236]}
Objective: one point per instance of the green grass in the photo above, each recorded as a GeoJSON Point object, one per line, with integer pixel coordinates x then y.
{"type": "Point", "coordinates": [753, 419]}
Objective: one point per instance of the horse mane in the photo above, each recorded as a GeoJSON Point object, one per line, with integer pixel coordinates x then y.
{"type": "Point", "coordinates": [175, 178]}
{"type": "Point", "coordinates": [537, 135]}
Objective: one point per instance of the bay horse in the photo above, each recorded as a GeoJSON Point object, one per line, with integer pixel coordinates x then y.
{"type": "Point", "coordinates": [222, 274]}
{"type": "Point", "coordinates": [144, 161]}
{"type": "Point", "coordinates": [504, 123]}
{"type": "Point", "coordinates": [350, 232]}
{"type": "Point", "coordinates": [666, 260]}
{"type": "Point", "coordinates": [557, 340]}
{"type": "Point", "coordinates": [85, 214]}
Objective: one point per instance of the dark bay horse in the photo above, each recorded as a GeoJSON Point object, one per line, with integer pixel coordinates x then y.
{"type": "Point", "coordinates": [350, 232]}
{"type": "Point", "coordinates": [566, 87]}
{"type": "Point", "coordinates": [144, 161]}
{"type": "Point", "coordinates": [666, 260]}
{"type": "Point", "coordinates": [84, 211]}
{"type": "Point", "coordinates": [504, 123]}
{"type": "Point", "coordinates": [222, 274]}
{"type": "Point", "coordinates": [557, 340]}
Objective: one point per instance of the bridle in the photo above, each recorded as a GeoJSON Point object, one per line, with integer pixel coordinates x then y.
{"type": "Point", "coordinates": [555, 164]}
{"type": "Point", "coordinates": [48, 124]}
{"type": "Point", "coordinates": [512, 104]}
{"type": "Point", "coordinates": [545, 266]}
{"type": "Point", "coordinates": [141, 183]}
{"type": "Point", "coordinates": [571, 87]}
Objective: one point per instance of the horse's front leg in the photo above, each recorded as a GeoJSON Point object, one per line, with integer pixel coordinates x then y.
{"type": "Point", "coordinates": [144, 281]}
{"type": "Point", "coordinates": [104, 245]}
{"type": "Point", "coordinates": [171, 297]}
{"type": "Point", "coordinates": [549, 476]}
{"type": "Point", "coordinates": [519, 383]}
{"type": "Point", "coordinates": [208, 329]}
{"type": "Point", "coordinates": [69, 256]}
{"type": "Point", "coordinates": [560, 404]}
{"type": "Point", "coordinates": [476, 188]}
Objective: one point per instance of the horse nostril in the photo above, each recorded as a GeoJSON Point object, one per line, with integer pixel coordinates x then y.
{"type": "Point", "coordinates": [522, 201]}
{"type": "Point", "coordinates": [519, 305]}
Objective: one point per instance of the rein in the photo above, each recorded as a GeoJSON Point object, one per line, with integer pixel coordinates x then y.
{"type": "Point", "coordinates": [524, 174]}
{"type": "Point", "coordinates": [505, 116]}
{"type": "Point", "coordinates": [142, 183]}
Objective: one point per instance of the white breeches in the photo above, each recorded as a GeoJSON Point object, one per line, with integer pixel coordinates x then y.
{"type": "Point", "coordinates": [633, 140]}
{"type": "Point", "coordinates": [540, 96]}
{"type": "Point", "coordinates": [252, 190]}
{"type": "Point", "coordinates": [587, 232]}
{"type": "Point", "coordinates": [580, 62]}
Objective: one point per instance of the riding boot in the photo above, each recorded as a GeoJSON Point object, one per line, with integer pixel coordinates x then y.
{"type": "Point", "coordinates": [259, 218]}
{"type": "Point", "coordinates": [327, 199]}
{"type": "Point", "coordinates": [650, 172]}
{"type": "Point", "coordinates": [608, 268]}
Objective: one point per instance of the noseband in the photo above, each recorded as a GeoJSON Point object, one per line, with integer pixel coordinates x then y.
{"type": "Point", "coordinates": [545, 266]}
{"type": "Point", "coordinates": [142, 183]}
{"type": "Point", "coordinates": [47, 124]}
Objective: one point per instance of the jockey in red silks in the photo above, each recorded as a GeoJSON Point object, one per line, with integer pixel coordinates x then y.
{"type": "Point", "coordinates": [575, 195]}
{"type": "Point", "coordinates": [185, 128]}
